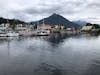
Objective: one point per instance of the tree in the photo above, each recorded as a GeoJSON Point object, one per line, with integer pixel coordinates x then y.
{"type": "Point", "coordinates": [96, 25]}
{"type": "Point", "coordinates": [88, 24]}
{"type": "Point", "coordinates": [13, 24]}
{"type": "Point", "coordinates": [35, 26]}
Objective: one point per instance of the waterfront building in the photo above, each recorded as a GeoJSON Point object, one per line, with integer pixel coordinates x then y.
{"type": "Point", "coordinates": [44, 27]}
{"type": "Point", "coordinates": [91, 28]}
{"type": "Point", "coordinates": [87, 28]}
{"type": "Point", "coordinates": [4, 27]}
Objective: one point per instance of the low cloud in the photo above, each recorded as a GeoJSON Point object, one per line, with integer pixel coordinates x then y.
{"type": "Point", "coordinates": [30, 10]}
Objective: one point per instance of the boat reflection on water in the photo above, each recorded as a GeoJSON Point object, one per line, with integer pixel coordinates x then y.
{"type": "Point", "coordinates": [56, 54]}
{"type": "Point", "coordinates": [56, 38]}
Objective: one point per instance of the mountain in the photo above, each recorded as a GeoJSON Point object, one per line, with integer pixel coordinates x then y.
{"type": "Point", "coordinates": [11, 21]}
{"type": "Point", "coordinates": [82, 23]}
{"type": "Point", "coordinates": [56, 19]}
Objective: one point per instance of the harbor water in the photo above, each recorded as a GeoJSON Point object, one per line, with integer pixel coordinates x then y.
{"type": "Point", "coordinates": [56, 54]}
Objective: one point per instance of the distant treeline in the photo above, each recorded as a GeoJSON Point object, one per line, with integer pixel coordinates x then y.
{"type": "Point", "coordinates": [95, 25]}
{"type": "Point", "coordinates": [11, 21]}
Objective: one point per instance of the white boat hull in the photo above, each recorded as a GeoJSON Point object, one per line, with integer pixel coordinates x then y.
{"type": "Point", "coordinates": [9, 34]}
{"type": "Point", "coordinates": [3, 35]}
{"type": "Point", "coordinates": [41, 32]}
{"type": "Point", "coordinates": [12, 34]}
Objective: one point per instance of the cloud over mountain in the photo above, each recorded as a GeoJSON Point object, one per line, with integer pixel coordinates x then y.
{"type": "Point", "coordinates": [29, 10]}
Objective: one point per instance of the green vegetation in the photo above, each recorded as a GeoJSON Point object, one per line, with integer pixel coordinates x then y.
{"type": "Point", "coordinates": [12, 22]}
{"type": "Point", "coordinates": [95, 25]}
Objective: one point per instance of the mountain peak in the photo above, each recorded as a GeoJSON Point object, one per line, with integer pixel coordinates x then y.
{"type": "Point", "coordinates": [56, 19]}
{"type": "Point", "coordinates": [55, 14]}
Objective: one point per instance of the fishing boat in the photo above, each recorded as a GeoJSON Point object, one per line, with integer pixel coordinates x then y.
{"type": "Point", "coordinates": [3, 34]}
{"type": "Point", "coordinates": [41, 32]}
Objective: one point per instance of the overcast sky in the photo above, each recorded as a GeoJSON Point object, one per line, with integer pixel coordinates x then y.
{"type": "Point", "coordinates": [32, 10]}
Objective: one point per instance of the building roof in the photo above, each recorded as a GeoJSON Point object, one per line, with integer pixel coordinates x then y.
{"type": "Point", "coordinates": [87, 27]}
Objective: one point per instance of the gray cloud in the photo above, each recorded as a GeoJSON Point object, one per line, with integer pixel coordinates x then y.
{"type": "Point", "coordinates": [45, 10]}
{"type": "Point", "coordinates": [30, 10]}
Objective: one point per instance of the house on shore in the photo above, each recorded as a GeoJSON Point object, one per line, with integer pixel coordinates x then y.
{"type": "Point", "coordinates": [20, 27]}
{"type": "Point", "coordinates": [4, 27]}
{"type": "Point", "coordinates": [56, 28]}
{"type": "Point", "coordinates": [24, 30]}
{"type": "Point", "coordinates": [87, 28]}
{"type": "Point", "coordinates": [90, 28]}
{"type": "Point", "coordinates": [45, 27]}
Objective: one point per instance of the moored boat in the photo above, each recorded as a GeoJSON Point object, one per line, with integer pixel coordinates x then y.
{"type": "Point", "coordinates": [12, 34]}
{"type": "Point", "coordinates": [9, 34]}
{"type": "Point", "coordinates": [3, 34]}
{"type": "Point", "coordinates": [41, 32]}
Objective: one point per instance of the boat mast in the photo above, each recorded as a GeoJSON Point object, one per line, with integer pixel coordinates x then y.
{"type": "Point", "coordinates": [43, 22]}
{"type": "Point", "coordinates": [7, 29]}
{"type": "Point", "coordinates": [37, 22]}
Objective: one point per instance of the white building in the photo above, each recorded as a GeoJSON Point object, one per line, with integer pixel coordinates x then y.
{"type": "Point", "coordinates": [4, 27]}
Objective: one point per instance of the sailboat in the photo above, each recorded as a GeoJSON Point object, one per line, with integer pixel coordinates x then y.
{"type": "Point", "coordinates": [41, 32]}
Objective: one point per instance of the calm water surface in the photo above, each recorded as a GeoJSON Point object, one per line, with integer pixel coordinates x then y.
{"type": "Point", "coordinates": [50, 55]}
